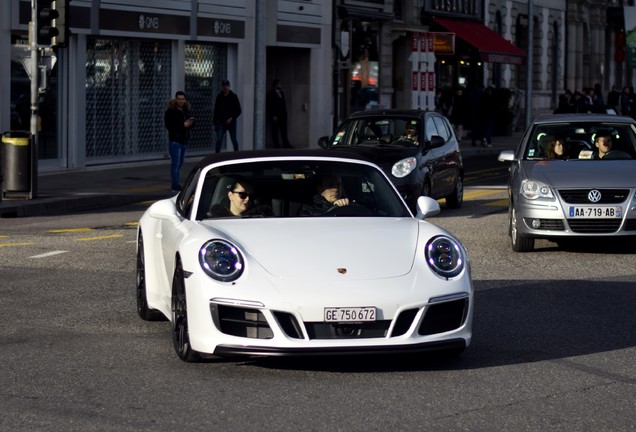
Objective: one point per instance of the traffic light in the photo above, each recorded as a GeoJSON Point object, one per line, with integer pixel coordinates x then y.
{"type": "Point", "coordinates": [61, 22]}
{"type": "Point", "coordinates": [46, 31]}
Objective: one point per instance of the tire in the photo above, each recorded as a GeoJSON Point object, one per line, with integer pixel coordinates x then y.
{"type": "Point", "coordinates": [426, 189]}
{"type": "Point", "coordinates": [179, 326]}
{"type": "Point", "coordinates": [520, 243]}
{"type": "Point", "coordinates": [145, 312]}
{"type": "Point", "coordinates": [456, 198]}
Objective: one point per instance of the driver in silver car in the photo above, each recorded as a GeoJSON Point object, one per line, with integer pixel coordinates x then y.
{"type": "Point", "coordinates": [603, 143]}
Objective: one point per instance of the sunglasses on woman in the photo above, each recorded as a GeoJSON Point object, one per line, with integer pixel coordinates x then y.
{"type": "Point", "coordinates": [242, 194]}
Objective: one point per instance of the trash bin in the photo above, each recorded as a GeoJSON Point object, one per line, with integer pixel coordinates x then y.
{"type": "Point", "coordinates": [16, 162]}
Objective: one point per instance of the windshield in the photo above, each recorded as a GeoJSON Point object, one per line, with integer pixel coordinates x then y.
{"type": "Point", "coordinates": [581, 141]}
{"type": "Point", "coordinates": [295, 188]}
{"type": "Point", "coordinates": [378, 131]}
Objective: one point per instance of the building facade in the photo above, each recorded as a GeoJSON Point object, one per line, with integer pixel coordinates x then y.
{"type": "Point", "coordinates": [108, 89]}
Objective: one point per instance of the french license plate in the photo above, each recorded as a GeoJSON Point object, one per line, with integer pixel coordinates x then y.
{"type": "Point", "coordinates": [595, 212]}
{"type": "Point", "coordinates": [349, 314]}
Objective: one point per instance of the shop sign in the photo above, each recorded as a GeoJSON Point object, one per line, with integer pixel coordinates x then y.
{"type": "Point", "coordinates": [119, 20]}
{"type": "Point", "coordinates": [438, 42]}
{"type": "Point", "coordinates": [426, 81]}
{"type": "Point", "coordinates": [455, 8]}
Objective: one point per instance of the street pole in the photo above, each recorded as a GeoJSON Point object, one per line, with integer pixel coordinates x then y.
{"type": "Point", "coordinates": [259, 75]}
{"type": "Point", "coordinates": [529, 65]}
{"type": "Point", "coordinates": [33, 46]}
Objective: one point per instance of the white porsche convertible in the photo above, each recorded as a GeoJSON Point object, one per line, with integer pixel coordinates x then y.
{"type": "Point", "coordinates": [255, 257]}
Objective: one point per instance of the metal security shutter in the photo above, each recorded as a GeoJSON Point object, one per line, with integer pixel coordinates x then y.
{"type": "Point", "coordinates": [205, 68]}
{"type": "Point", "coordinates": [127, 87]}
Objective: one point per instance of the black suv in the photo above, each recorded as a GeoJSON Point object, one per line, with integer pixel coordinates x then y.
{"type": "Point", "coordinates": [416, 149]}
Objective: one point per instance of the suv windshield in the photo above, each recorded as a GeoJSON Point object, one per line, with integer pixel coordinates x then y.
{"type": "Point", "coordinates": [378, 131]}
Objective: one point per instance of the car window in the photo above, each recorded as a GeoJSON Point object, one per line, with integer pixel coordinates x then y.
{"type": "Point", "coordinates": [442, 127]}
{"type": "Point", "coordinates": [185, 199]}
{"type": "Point", "coordinates": [578, 140]}
{"type": "Point", "coordinates": [431, 128]}
{"type": "Point", "coordinates": [378, 131]}
{"type": "Point", "coordinates": [285, 188]}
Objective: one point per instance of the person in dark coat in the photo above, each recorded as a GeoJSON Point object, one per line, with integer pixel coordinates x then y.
{"type": "Point", "coordinates": [227, 109]}
{"type": "Point", "coordinates": [277, 113]}
{"type": "Point", "coordinates": [178, 121]}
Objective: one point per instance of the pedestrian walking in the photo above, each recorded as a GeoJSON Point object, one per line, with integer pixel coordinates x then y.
{"type": "Point", "coordinates": [178, 120]}
{"type": "Point", "coordinates": [227, 109]}
{"type": "Point", "coordinates": [277, 113]}
{"type": "Point", "coordinates": [458, 113]}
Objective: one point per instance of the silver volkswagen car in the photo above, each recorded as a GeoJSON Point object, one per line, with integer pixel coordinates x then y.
{"type": "Point", "coordinates": [572, 175]}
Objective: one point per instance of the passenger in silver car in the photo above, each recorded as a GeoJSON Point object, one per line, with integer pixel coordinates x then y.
{"type": "Point", "coordinates": [556, 149]}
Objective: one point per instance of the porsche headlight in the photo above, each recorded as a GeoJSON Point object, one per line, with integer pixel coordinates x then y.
{"type": "Point", "coordinates": [532, 189]}
{"type": "Point", "coordinates": [444, 256]}
{"type": "Point", "coordinates": [221, 260]}
{"type": "Point", "coordinates": [404, 167]}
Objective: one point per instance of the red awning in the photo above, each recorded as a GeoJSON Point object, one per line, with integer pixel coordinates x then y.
{"type": "Point", "coordinates": [491, 46]}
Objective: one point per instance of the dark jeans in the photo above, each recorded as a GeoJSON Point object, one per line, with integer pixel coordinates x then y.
{"type": "Point", "coordinates": [221, 128]}
{"type": "Point", "coordinates": [177, 156]}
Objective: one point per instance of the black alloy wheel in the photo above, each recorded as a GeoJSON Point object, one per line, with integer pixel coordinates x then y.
{"type": "Point", "coordinates": [179, 328]}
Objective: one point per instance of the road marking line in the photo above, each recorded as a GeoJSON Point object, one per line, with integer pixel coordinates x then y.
{"type": "Point", "coordinates": [48, 254]}
{"type": "Point", "coordinates": [14, 244]}
{"type": "Point", "coordinates": [132, 223]}
{"type": "Point", "coordinates": [498, 203]}
{"type": "Point", "coordinates": [3, 236]}
{"type": "Point", "coordinates": [100, 237]}
{"type": "Point", "coordinates": [70, 230]}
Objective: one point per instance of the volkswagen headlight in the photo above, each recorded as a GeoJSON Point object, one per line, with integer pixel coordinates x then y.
{"type": "Point", "coordinates": [532, 189]}
{"type": "Point", "coordinates": [404, 167]}
{"type": "Point", "coordinates": [221, 260]}
{"type": "Point", "coordinates": [445, 256]}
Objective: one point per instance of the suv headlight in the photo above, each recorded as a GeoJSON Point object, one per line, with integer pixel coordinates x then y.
{"type": "Point", "coordinates": [532, 189]}
{"type": "Point", "coordinates": [221, 260]}
{"type": "Point", "coordinates": [445, 256]}
{"type": "Point", "coordinates": [404, 167]}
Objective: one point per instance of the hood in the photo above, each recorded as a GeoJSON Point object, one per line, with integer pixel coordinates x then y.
{"type": "Point", "coordinates": [582, 173]}
{"type": "Point", "coordinates": [380, 154]}
{"type": "Point", "coordinates": [315, 248]}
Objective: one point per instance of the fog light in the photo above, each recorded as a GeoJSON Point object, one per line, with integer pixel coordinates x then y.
{"type": "Point", "coordinates": [536, 223]}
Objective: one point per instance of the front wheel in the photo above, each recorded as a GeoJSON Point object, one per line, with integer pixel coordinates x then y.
{"type": "Point", "coordinates": [520, 243]}
{"type": "Point", "coordinates": [456, 198]}
{"type": "Point", "coordinates": [180, 329]}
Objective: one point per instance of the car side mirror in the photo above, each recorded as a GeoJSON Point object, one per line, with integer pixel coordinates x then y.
{"type": "Point", "coordinates": [435, 142]}
{"type": "Point", "coordinates": [426, 207]}
{"type": "Point", "coordinates": [506, 156]}
{"type": "Point", "coordinates": [323, 142]}
{"type": "Point", "coordinates": [165, 210]}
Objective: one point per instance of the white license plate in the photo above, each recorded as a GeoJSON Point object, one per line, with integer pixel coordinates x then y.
{"type": "Point", "coordinates": [349, 314]}
{"type": "Point", "coordinates": [595, 212]}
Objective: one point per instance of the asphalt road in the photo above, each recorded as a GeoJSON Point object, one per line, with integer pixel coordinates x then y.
{"type": "Point", "coordinates": [553, 349]}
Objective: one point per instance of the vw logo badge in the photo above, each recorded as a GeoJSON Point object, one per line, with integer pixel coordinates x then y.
{"type": "Point", "coordinates": [594, 196]}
